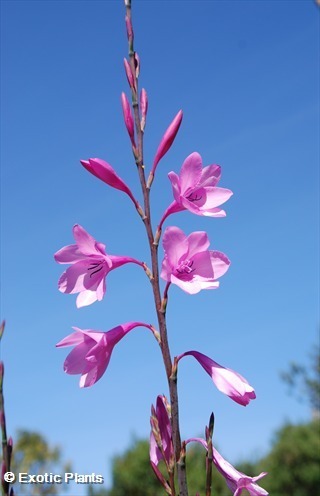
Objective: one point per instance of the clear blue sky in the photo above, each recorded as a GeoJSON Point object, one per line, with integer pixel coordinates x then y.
{"type": "Point", "coordinates": [246, 74]}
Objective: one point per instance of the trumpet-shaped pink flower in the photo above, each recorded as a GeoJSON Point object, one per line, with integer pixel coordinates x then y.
{"type": "Point", "coordinates": [189, 264]}
{"type": "Point", "coordinates": [236, 480]}
{"type": "Point", "coordinates": [92, 351]}
{"type": "Point", "coordinates": [195, 189]}
{"type": "Point", "coordinates": [102, 170]}
{"type": "Point", "coordinates": [167, 139]}
{"type": "Point", "coordinates": [226, 380]}
{"type": "Point", "coordinates": [90, 264]}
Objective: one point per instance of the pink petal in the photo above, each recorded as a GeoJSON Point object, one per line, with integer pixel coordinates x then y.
{"type": "Point", "coordinates": [84, 240]}
{"type": "Point", "coordinates": [190, 287]}
{"type": "Point", "coordinates": [175, 244]}
{"type": "Point", "coordinates": [198, 241]}
{"type": "Point", "coordinates": [175, 182]}
{"type": "Point", "coordinates": [85, 298]}
{"type": "Point", "coordinates": [190, 173]}
{"type": "Point", "coordinates": [210, 175]}
{"type": "Point", "coordinates": [203, 266]}
{"type": "Point", "coordinates": [215, 197]}
{"type": "Point", "coordinates": [220, 263]}
{"type": "Point", "coordinates": [68, 255]}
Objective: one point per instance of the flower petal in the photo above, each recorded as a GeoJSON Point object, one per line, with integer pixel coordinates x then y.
{"type": "Point", "coordinates": [198, 241]}
{"type": "Point", "coordinates": [175, 244]}
{"type": "Point", "coordinates": [210, 175]}
{"type": "Point", "coordinates": [190, 173]}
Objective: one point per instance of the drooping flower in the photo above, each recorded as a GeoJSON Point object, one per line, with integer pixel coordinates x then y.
{"type": "Point", "coordinates": [92, 352]}
{"type": "Point", "coordinates": [167, 139]}
{"type": "Point", "coordinates": [102, 170]}
{"type": "Point", "coordinates": [189, 264]}
{"type": "Point", "coordinates": [195, 189]}
{"type": "Point", "coordinates": [236, 480]}
{"type": "Point", "coordinates": [161, 445]}
{"type": "Point", "coordinates": [226, 380]}
{"type": "Point", "coordinates": [90, 265]}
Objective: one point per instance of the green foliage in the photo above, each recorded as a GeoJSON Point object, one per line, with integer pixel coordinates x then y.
{"type": "Point", "coordinates": [306, 380]}
{"type": "Point", "coordinates": [33, 455]}
{"type": "Point", "coordinates": [294, 461]}
{"type": "Point", "coordinates": [133, 475]}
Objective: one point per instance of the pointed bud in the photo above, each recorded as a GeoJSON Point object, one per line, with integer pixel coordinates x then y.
{"type": "Point", "coordinates": [127, 115]}
{"type": "Point", "coordinates": [167, 139]}
{"type": "Point", "coordinates": [129, 75]}
{"type": "Point", "coordinates": [143, 108]}
{"type": "Point", "coordinates": [137, 64]}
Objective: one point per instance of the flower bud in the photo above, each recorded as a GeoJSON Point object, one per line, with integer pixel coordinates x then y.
{"type": "Point", "coordinates": [127, 115]}
{"type": "Point", "coordinates": [129, 75]}
{"type": "Point", "coordinates": [167, 139]}
{"type": "Point", "coordinates": [143, 108]}
{"type": "Point", "coordinates": [137, 64]}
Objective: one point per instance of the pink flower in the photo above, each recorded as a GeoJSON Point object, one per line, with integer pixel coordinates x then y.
{"type": "Point", "coordinates": [195, 189]}
{"type": "Point", "coordinates": [90, 264]}
{"type": "Point", "coordinates": [102, 170]}
{"type": "Point", "coordinates": [167, 139]}
{"type": "Point", "coordinates": [236, 481]}
{"type": "Point", "coordinates": [189, 264]}
{"type": "Point", "coordinates": [161, 446]}
{"type": "Point", "coordinates": [226, 380]}
{"type": "Point", "coordinates": [92, 352]}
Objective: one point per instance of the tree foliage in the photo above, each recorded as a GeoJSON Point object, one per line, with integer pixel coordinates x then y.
{"type": "Point", "coordinates": [33, 455]}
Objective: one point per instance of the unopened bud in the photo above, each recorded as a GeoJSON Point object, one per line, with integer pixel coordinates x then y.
{"type": "Point", "coordinates": [129, 74]}
{"type": "Point", "coordinates": [167, 139]}
{"type": "Point", "coordinates": [143, 108]}
{"type": "Point", "coordinates": [137, 64]}
{"type": "Point", "coordinates": [127, 115]}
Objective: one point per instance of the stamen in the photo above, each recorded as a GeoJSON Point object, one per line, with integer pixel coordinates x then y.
{"type": "Point", "coordinates": [95, 265]}
{"type": "Point", "coordinates": [197, 198]}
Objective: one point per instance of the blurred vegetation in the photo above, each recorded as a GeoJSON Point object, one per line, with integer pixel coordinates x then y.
{"type": "Point", "coordinates": [33, 455]}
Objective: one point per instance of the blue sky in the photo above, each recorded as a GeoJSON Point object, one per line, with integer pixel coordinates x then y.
{"type": "Point", "coordinates": [246, 75]}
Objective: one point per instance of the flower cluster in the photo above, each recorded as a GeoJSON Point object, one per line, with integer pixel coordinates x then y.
{"type": "Point", "coordinates": [187, 263]}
